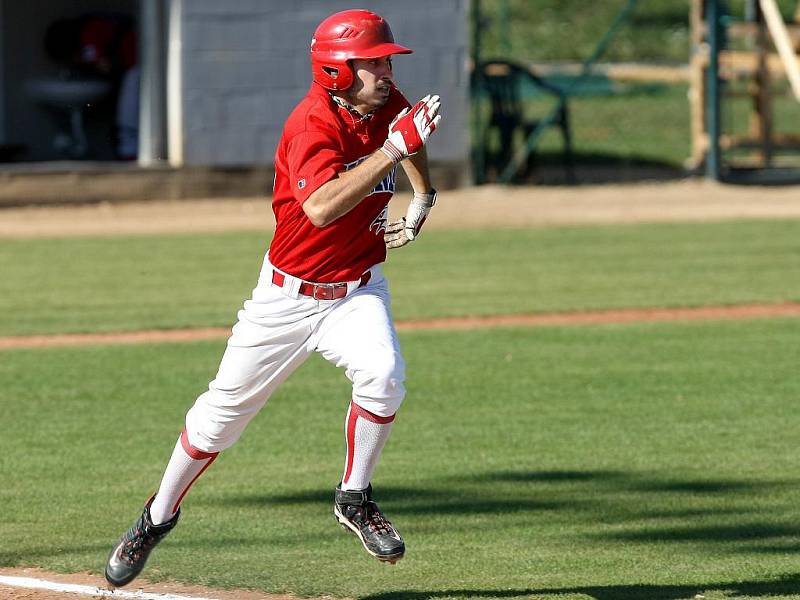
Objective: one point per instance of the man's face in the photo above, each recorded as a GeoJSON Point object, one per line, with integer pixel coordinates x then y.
{"type": "Point", "coordinates": [372, 83]}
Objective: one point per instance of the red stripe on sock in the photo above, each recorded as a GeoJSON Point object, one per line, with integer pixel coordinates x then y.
{"type": "Point", "coordinates": [355, 412]}
{"type": "Point", "coordinates": [194, 454]}
{"type": "Point", "coordinates": [180, 499]}
{"type": "Point", "coordinates": [192, 451]}
{"type": "Point", "coordinates": [365, 414]}
{"type": "Point", "coordinates": [352, 417]}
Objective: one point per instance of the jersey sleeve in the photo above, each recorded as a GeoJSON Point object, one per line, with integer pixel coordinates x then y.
{"type": "Point", "coordinates": [313, 158]}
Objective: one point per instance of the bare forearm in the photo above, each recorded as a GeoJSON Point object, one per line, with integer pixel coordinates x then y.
{"type": "Point", "coordinates": [416, 169]}
{"type": "Point", "coordinates": [339, 196]}
{"type": "Point", "coordinates": [400, 232]}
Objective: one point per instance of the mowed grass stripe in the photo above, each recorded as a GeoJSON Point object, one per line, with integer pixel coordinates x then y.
{"type": "Point", "coordinates": [190, 281]}
{"type": "Point", "coordinates": [637, 461]}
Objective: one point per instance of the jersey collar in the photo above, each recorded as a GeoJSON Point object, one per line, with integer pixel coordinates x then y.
{"type": "Point", "coordinates": [353, 112]}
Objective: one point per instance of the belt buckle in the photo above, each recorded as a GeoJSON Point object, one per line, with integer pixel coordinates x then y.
{"type": "Point", "coordinates": [327, 291]}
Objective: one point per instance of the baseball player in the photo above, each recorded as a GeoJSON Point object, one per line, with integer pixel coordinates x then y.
{"type": "Point", "coordinates": [320, 288]}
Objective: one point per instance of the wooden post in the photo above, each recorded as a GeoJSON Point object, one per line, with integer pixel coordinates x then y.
{"type": "Point", "coordinates": [783, 43]}
{"type": "Point", "coordinates": [697, 96]}
{"type": "Point", "coordinates": [713, 125]}
{"type": "Point", "coordinates": [761, 115]}
{"type": "Point", "coordinates": [697, 104]}
{"type": "Point", "coordinates": [696, 24]}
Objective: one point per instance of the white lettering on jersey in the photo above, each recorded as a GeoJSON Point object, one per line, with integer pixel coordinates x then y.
{"type": "Point", "coordinates": [384, 185]}
{"type": "Point", "coordinates": [380, 221]}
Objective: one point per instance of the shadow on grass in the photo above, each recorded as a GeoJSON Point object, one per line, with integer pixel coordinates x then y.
{"type": "Point", "coordinates": [634, 481]}
{"type": "Point", "coordinates": [612, 506]}
{"type": "Point", "coordinates": [510, 491]}
{"type": "Point", "coordinates": [722, 533]}
{"type": "Point", "coordinates": [787, 585]}
{"type": "Point", "coordinates": [707, 487]}
{"type": "Point", "coordinates": [545, 476]}
{"type": "Point", "coordinates": [413, 501]}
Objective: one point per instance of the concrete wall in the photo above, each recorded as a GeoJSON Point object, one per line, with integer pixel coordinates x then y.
{"type": "Point", "coordinates": [246, 64]}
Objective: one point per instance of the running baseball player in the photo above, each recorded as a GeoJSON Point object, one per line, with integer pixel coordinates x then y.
{"type": "Point", "coordinates": [320, 288]}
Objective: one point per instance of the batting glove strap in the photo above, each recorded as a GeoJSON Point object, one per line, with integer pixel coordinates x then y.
{"type": "Point", "coordinates": [392, 151]}
{"type": "Point", "coordinates": [428, 199]}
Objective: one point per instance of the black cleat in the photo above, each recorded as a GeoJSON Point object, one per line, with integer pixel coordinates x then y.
{"type": "Point", "coordinates": [129, 556]}
{"type": "Point", "coordinates": [358, 514]}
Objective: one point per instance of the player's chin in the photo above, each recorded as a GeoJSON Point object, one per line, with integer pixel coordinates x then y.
{"type": "Point", "coordinates": [380, 98]}
{"type": "Point", "coordinates": [378, 103]}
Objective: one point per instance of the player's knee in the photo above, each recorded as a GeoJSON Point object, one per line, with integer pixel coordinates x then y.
{"type": "Point", "coordinates": [211, 426]}
{"type": "Point", "coordinates": [378, 386]}
{"type": "Point", "coordinates": [384, 374]}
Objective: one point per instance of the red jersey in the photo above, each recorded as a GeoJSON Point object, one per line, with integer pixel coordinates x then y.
{"type": "Point", "coordinates": [320, 140]}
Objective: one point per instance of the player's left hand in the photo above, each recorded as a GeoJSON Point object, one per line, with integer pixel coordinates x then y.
{"type": "Point", "coordinates": [395, 234]}
{"type": "Point", "coordinates": [404, 230]}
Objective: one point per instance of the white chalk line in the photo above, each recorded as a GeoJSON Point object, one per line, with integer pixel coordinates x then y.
{"type": "Point", "coordinates": [87, 590]}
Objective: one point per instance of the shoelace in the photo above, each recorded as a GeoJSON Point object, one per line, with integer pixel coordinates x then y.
{"type": "Point", "coordinates": [138, 542]}
{"type": "Point", "coordinates": [376, 521]}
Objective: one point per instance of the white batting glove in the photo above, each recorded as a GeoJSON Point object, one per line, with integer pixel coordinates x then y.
{"type": "Point", "coordinates": [417, 213]}
{"type": "Point", "coordinates": [410, 129]}
{"type": "Point", "coordinates": [399, 233]}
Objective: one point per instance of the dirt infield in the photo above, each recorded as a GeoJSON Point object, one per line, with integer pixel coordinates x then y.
{"type": "Point", "coordinates": [98, 583]}
{"type": "Point", "coordinates": [629, 315]}
{"type": "Point", "coordinates": [488, 206]}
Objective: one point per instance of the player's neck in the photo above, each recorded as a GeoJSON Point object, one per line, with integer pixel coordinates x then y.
{"type": "Point", "coordinates": [361, 111]}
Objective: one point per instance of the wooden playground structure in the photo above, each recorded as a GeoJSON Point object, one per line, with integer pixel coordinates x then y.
{"type": "Point", "coordinates": [744, 88]}
{"type": "Point", "coordinates": [750, 58]}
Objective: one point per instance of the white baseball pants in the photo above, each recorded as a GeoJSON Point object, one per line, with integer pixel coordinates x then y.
{"type": "Point", "coordinates": [277, 331]}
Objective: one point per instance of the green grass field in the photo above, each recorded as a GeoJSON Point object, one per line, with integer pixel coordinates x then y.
{"type": "Point", "coordinates": [646, 461]}
{"type": "Point", "coordinates": [618, 462]}
{"type": "Point", "coordinates": [79, 285]}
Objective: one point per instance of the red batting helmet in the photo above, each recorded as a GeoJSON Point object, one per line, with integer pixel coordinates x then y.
{"type": "Point", "coordinates": [344, 36]}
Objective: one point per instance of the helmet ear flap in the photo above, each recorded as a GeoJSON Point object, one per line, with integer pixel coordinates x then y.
{"type": "Point", "coordinates": [346, 75]}
{"type": "Point", "coordinates": [334, 76]}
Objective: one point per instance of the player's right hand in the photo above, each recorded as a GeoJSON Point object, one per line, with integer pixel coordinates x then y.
{"type": "Point", "coordinates": [411, 129]}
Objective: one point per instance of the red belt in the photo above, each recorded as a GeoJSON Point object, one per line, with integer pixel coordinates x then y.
{"type": "Point", "coordinates": [321, 291]}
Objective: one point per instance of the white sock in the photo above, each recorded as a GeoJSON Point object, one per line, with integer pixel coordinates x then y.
{"type": "Point", "coordinates": [365, 435]}
{"type": "Point", "coordinates": [184, 467]}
